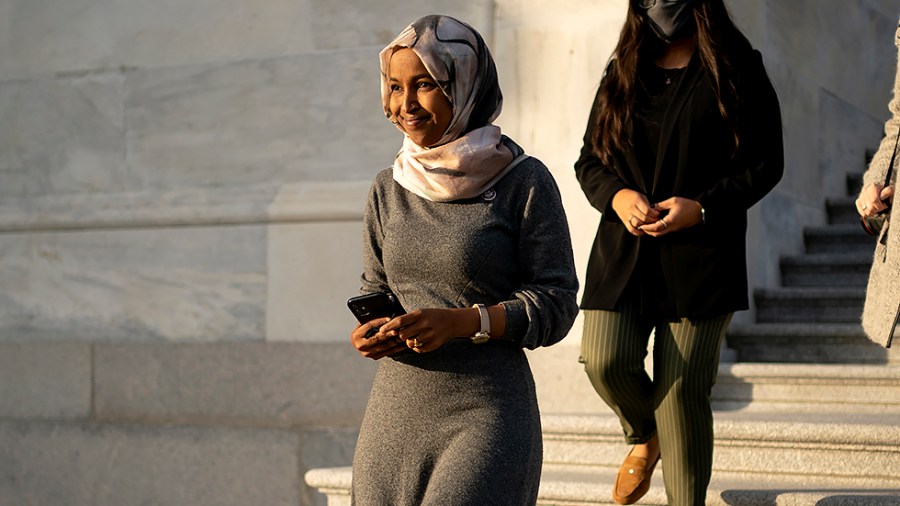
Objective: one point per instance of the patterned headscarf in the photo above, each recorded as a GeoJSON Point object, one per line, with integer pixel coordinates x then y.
{"type": "Point", "coordinates": [459, 61]}
{"type": "Point", "coordinates": [470, 156]}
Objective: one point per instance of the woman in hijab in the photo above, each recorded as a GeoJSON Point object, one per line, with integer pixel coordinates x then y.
{"type": "Point", "coordinates": [683, 138]}
{"type": "Point", "coordinates": [469, 233]}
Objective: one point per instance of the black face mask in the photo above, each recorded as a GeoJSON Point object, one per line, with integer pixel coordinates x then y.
{"type": "Point", "coordinates": [670, 19]}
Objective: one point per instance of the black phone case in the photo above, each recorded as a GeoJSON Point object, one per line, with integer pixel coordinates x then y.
{"type": "Point", "coordinates": [375, 305]}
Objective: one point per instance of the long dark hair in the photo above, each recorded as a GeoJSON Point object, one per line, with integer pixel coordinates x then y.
{"type": "Point", "coordinates": [719, 42]}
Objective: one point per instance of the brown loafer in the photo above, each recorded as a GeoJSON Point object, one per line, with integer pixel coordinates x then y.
{"type": "Point", "coordinates": [633, 479]}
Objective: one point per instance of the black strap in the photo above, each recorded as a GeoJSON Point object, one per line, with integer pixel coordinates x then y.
{"type": "Point", "coordinates": [887, 178]}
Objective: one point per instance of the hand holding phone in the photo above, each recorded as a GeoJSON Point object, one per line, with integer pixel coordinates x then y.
{"type": "Point", "coordinates": [375, 305]}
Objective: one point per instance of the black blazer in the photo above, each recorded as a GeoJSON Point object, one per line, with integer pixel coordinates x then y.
{"type": "Point", "coordinates": [704, 266]}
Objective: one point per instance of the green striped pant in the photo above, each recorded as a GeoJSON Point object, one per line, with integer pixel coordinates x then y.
{"type": "Point", "coordinates": [675, 403]}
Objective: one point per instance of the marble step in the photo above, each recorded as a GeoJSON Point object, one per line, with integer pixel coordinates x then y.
{"type": "Point", "coordinates": [583, 486]}
{"type": "Point", "coordinates": [807, 388]}
{"type": "Point", "coordinates": [592, 486]}
{"type": "Point", "coordinates": [826, 269]}
{"type": "Point", "coordinates": [860, 448]}
{"type": "Point", "coordinates": [563, 386]}
{"type": "Point", "coordinates": [842, 210]}
{"type": "Point", "coordinates": [810, 305]}
{"type": "Point", "coordinates": [807, 343]}
{"type": "Point", "coordinates": [844, 238]}
{"type": "Point", "coordinates": [786, 434]}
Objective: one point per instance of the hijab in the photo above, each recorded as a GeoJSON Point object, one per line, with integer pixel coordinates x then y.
{"type": "Point", "coordinates": [472, 155]}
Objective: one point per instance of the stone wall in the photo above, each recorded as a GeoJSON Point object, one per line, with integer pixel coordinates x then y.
{"type": "Point", "coordinates": [181, 188]}
{"type": "Point", "coordinates": [190, 173]}
{"type": "Point", "coordinates": [113, 424]}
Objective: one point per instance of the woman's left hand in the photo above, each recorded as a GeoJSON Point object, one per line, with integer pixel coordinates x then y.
{"type": "Point", "coordinates": [874, 199]}
{"type": "Point", "coordinates": [371, 343]}
{"type": "Point", "coordinates": [678, 213]}
{"type": "Point", "coordinates": [426, 330]}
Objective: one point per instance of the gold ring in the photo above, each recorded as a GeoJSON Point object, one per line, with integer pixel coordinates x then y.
{"type": "Point", "coordinates": [865, 206]}
{"type": "Point", "coordinates": [416, 343]}
{"type": "Point", "coordinates": [663, 220]}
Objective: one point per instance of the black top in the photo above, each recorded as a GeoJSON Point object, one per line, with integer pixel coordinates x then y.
{"type": "Point", "coordinates": [704, 266]}
{"type": "Point", "coordinates": [654, 94]}
{"type": "Point", "coordinates": [646, 289]}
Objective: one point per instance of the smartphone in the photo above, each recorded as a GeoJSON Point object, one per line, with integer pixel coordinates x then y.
{"type": "Point", "coordinates": [375, 305]}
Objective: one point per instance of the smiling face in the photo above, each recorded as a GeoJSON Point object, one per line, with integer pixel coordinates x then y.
{"type": "Point", "coordinates": [417, 104]}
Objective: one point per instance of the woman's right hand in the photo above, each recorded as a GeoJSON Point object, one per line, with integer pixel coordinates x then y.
{"type": "Point", "coordinates": [634, 210]}
{"type": "Point", "coordinates": [379, 344]}
{"type": "Point", "coordinates": [870, 199]}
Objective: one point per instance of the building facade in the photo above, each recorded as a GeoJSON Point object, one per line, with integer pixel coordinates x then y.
{"type": "Point", "coordinates": [181, 194]}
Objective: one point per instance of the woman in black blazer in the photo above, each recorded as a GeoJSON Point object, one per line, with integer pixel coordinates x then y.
{"type": "Point", "coordinates": [684, 137]}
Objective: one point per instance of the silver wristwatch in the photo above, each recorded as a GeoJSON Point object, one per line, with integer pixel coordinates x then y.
{"type": "Point", "coordinates": [484, 334]}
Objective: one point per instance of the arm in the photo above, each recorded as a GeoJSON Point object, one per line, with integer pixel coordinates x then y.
{"type": "Point", "coordinates": [543, 309]}
{"type": "Point", "coordinates": [879, 165]}
{"type": "Point", "coordinates": [872, 192]}
{"type": "Point", "coordinates": [426, 330]}
{"type": "Point", "coordinates": [605, 190]}
{"type": "Point", "coordinates": [759, 162]}
{"type": "Point", "coordinates": [374, 279]}
{"type": "Point", "coordinates": [598, 181]}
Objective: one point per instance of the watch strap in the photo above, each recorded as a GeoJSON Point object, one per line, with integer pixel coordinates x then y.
{"type": "Point", "coordinates": [485, 333]}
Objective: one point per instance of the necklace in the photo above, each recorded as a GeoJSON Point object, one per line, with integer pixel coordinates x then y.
{"type": "Point", "coordinates": [670, 74]}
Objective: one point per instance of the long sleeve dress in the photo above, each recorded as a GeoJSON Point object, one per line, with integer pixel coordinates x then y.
{"type": "Point", "coordinates": [460, 425]}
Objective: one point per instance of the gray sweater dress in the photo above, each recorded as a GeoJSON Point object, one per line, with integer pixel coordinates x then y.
{"type": "Point", "coordinates": [460, 425]}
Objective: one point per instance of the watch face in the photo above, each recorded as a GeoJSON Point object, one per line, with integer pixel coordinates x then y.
{"type": "Point", "coordinates": [480, 337]}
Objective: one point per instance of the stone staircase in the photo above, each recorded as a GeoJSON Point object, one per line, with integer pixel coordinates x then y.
{"type": "Point", "coordinates": [814, 316]}
{"type": "Point", "coordinates": [806, 415]}
{"type": "Point", "coordinates": [786, 434]}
